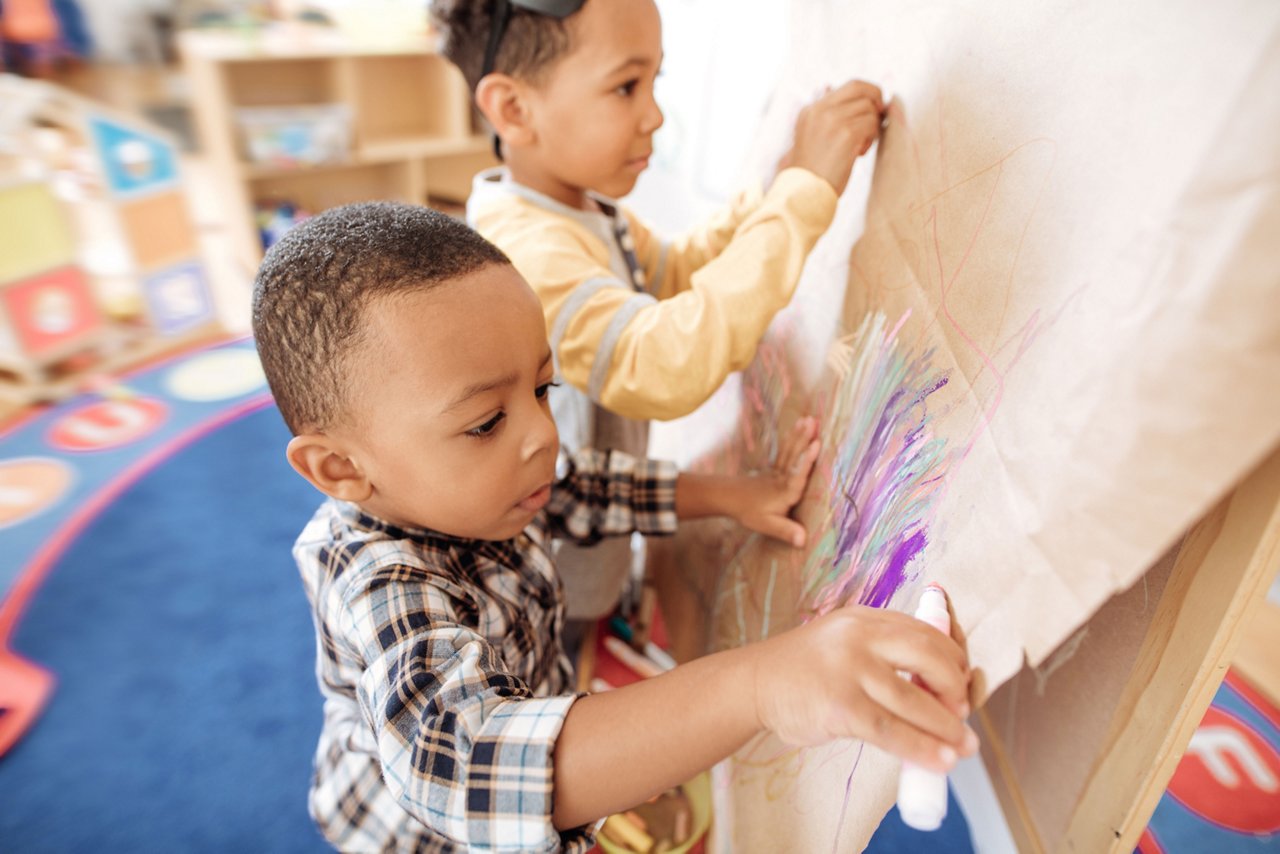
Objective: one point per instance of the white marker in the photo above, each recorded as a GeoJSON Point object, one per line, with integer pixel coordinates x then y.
{"type": "Point", "coordinates": [922, 794]}
{"type": "Point", "coordinates": [631, 659]}
{"type": "Point", "coordinates": [659, 656]}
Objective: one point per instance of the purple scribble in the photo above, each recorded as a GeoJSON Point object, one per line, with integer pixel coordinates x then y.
{"type": "Point", "coordinates": [844, 805]}
{"type": "Point", "coordinates": [888, 469]}
{"type": "Point", "coordinates": [895, 575]}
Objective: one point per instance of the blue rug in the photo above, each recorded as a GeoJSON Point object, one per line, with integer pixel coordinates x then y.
{"type": "Point", "coordinates": [186, 710]}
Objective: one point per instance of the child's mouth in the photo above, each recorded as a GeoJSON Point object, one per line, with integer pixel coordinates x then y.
{"type": "Point", "coordinates": [535, 501]}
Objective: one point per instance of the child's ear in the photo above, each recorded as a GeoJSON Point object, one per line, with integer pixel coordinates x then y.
{"type": "Point", "coordinates": [505, 102]}
{"type": "Point", "coordinates": [327, 466]}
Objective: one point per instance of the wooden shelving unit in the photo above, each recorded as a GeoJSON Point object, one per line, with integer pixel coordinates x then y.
{"type": "Point", "coordinates": [413, 135]}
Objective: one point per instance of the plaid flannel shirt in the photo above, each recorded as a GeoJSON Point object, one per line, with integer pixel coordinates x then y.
{"type": "Point", "coordinates": [439, 658]}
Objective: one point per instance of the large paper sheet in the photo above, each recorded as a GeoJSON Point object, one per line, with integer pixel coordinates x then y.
{"type": "Point", "coordinates": [1043, 336]}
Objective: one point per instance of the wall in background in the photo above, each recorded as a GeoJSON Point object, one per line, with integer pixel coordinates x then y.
{"type": "Point", "coordinates": [722, 63]}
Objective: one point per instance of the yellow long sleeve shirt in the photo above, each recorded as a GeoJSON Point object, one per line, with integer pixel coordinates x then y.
{"type": "Point", "coordinates": [651, 336]}
{"type": "Point", "coordinates": [709, 295]}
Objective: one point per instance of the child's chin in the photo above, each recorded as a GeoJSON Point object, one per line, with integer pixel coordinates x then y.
{"type": "Point", "coordinates": [512, 529]}
{"type": "Point", "coordinates": [620, 187]}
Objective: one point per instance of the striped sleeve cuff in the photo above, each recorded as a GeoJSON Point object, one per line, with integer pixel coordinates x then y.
{"type": "Point", "coordinates": [510, 780]}
{"type": "Point", "coordinates": [653, 496]}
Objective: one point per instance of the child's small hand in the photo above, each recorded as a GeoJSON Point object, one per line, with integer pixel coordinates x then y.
{"type": "Point", "coordinates": [835, 130]}
{"type": "Point", "coordinates": [766, 500]}
{"type": "Point", "coordinates": [838, 677]}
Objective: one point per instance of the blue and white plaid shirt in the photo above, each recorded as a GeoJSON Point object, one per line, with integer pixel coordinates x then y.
{"type": "Point", "coordinates": [439, 658]}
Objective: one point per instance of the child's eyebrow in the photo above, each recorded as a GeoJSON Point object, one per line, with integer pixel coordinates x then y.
{"type": "Point", "coordinates": [480, 388]}
{"type": "Point", "coordinates": [489, 385]}
{"type": "Point", "coordinates": [635, 61]}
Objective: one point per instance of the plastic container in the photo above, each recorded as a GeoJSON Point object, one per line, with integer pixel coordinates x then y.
{"type": "Point", "coordinates": [698, 791]}
{"type": "Point", "coordinates": [300, 135]}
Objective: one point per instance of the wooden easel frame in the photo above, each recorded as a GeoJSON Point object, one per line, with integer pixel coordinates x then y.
{"type": "Point", "coordinates": [1221, 573]}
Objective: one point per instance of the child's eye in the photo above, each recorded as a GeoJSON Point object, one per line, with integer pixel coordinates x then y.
{"type": "Point", "coordinates": [541, 391]}
{"type": "Point", "coordinates": [627, 89]}
{"type": "Point", "coordinates": [486, 429]}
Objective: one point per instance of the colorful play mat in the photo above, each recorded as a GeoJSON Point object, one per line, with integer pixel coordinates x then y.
{"type": "Point", "coordinates": [157, 688]}
{"type": "Point", "coordinates": [60, 466]}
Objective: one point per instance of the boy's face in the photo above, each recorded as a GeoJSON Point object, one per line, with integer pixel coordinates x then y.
{"type": "Point", "coordinates": [595, 115]}
{"type": "Point", "coordinates": [452, 427]}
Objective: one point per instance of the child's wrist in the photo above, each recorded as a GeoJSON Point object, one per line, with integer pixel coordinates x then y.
{"type": "Point", "coordinates": [702, 495]}
{"type": "Point", "coordinates": [733, 491]}
{"type": "Point", "coordinates": [749, 677]}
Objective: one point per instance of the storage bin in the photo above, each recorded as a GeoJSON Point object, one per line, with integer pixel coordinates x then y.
{"type": "Point", "coordinates": [295, 135]}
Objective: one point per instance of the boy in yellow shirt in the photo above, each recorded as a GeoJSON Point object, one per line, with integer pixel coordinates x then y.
{"type": "Point", "coordinates": [640, 328]}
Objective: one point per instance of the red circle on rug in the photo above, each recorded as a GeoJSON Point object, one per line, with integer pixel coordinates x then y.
{"type": "Point", "coordinates": [1230, 775]}
{"type": "Point", "coordinates": [107, 424]}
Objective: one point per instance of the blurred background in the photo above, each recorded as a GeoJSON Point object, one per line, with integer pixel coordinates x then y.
{"type": "Point", "coordinates": [156, 650]}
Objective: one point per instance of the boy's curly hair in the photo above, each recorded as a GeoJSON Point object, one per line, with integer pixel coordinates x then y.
{"type": "Point", "coordinates": [310, 292]}
{"type": "Point", "coordinates": [531, 44]}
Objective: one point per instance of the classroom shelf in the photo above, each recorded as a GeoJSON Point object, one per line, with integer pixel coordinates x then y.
{"type": "Point", "coordinates": [412, 131]}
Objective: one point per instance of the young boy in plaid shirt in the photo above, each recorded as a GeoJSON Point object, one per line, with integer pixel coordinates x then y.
{"type": "Point", "coordinates": [410, 361]}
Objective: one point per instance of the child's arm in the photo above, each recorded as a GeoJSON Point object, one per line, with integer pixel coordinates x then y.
{"type": "Point", "coordinates": [835, 677]}
{"type": "Point", "coordinates": [761, 502]}
{"type": "Point", "coordinates": [661, 358]}
{"type": "Point", "coordinates": [829, 135]}
{"type": "Point", "coordinates": [612, 493]}
{"type": "Point", "coordinates": [460, 741]}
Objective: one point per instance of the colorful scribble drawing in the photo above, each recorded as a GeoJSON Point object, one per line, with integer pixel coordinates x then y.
{"type": "Point", "coordinates": [879, 474]}
{"type": "Point", "coordinates": [888, 466]}
{"type": "Point", "coordinates": [897, 426]}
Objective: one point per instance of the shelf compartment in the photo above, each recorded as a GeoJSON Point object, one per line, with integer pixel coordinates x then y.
{"type": "Point", "coordinates": [276, 83]}
{"type": "Point", "coordinates": [398, 98]}
{"type": "Point", "coordinates": [340, 185]}
{"type": "Point", "coordinates": [448, 177]}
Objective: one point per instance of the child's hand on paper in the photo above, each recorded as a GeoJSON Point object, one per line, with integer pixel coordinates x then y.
{"type": "Point", "coordinates": [835, 130]}
{"type": "Point", "coordinates": [838, 677]}
{"type": "Point", "coordinates": [765, 501]}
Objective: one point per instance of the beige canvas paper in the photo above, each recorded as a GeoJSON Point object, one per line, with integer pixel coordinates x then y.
{"type": "Point", "coordinates": [1042, 337]}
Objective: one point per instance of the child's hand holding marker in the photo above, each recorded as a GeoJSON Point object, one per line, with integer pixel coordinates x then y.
{"type": "Point", "coordinates": [838, 677]}
{"type": "Point", "coordinates": [835, 130]}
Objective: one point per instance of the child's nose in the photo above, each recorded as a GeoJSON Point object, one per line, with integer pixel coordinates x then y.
{"type": "Point", "coordinates": [653, 116]}
{"type": "Point", "coordinates": [544, 436]}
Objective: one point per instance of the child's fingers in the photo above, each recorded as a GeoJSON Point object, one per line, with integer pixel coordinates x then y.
{"type": "Point", "coordinates": [892, 734]}
{"type": "Point", "coordinates": [913, 646]}
{"type": "Point", "coordinates": [850, 110]}
{"type": "Point", "coordinates": [868, 127]}
{"type": "Point", "coordinates": [855, 89]}
{"type": "Point", "coordinates": [794, 444]}
{"type": "Point", "coordinates": [918, 708]}
{"type": "Point", "coordinates": [787, 449]}
{"type": "Point", "coordinates": [802, 466]}
{"type": "Point", "coordinates": [787, 530]}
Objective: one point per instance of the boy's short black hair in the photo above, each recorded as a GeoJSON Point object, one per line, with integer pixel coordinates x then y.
{"type": "Point", "coordinates": [313, 285]}
{"type": "Point", "coordinates": [531, 44]}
